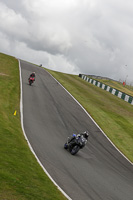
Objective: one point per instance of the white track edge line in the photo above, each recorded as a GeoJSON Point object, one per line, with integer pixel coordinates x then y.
{"type": "Point", "coordinates": [93, 121]}
{"type": "Point", "coordinates": [22, 125]}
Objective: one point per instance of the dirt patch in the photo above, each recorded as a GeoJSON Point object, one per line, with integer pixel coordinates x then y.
{"type": "Point", "coordinates": [1, 74]}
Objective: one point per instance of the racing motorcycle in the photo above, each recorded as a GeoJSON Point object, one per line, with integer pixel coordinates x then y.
{"type": "Point", "coordinates": [31, 80]}
{"type": "Point", "coordinates": [74, 145]}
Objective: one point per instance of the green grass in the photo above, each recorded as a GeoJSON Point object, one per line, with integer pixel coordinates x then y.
{"type": "Point", "coordinates": [111, 113]}
{"type": "Point", "coordinates": [21, 177]}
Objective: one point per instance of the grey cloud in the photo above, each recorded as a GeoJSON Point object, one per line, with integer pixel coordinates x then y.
{"type": "Point", "coordinates": [86, 36]}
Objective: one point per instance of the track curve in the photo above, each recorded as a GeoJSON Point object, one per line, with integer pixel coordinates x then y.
{"type": "Point", "coordinates": [50, 114]}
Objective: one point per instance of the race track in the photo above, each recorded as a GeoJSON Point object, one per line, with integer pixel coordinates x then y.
{"type": "Point", "coordinates": [99, 171]}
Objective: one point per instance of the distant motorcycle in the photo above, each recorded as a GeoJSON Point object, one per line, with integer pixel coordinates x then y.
{"type": "Point", "coordinates": [77, 143]}
{"type": "Point", "coordinates": [31, 80]}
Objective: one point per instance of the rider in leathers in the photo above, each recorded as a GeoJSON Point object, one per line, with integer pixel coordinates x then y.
{"type": "Point", "coordinates": [32, 75]}
{"type": "Point", "coordinates": [74, 136]}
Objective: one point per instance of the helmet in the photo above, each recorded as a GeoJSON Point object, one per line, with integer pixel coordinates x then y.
{"type": "Point", "coordinates": [74, 135]}
{"type": "Point", "coordinates": [78, 135]}
{"type": "Point", "coordinates": [86, 134]}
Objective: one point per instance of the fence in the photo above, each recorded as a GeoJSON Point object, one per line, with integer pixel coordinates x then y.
{"type": "Point", "coordinates": [113, 91]}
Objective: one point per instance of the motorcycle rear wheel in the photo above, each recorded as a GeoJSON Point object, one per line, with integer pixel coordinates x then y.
{"type": "Point", "coordinates": [75, 150]}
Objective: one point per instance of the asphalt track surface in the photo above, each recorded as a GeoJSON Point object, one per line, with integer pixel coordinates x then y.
{"type": "Point", "coordinates": [97, 172]}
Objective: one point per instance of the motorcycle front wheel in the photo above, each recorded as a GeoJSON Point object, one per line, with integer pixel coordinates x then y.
{"type": "Point", "coordinates": [65, 146]}
{"type": "Point", "coordinates": [30, 82]}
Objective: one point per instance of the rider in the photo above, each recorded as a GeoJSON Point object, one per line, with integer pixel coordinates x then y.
{"type": "Point", "coordinates": [85, 134]}
{"type": "Point", "coordinates": [33, 75]}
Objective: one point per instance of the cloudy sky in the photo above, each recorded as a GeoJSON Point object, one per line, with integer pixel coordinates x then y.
{"type": "Point", "coordinates": [71, 36]}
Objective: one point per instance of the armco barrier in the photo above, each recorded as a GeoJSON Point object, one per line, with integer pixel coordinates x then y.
{"type": "Point", "coordinates": [113, 91]}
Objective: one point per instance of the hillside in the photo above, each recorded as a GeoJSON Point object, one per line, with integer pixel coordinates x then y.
{"type": "Point", "coordinates": [113, 115]}
{"type": "Point", "coordinates": [119, 86]}
{"type": "Point", "coordinates": [21, 177]}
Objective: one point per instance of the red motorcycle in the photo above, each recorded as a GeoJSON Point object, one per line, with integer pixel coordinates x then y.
{"type": "Point", "coordinates": [31, 80]}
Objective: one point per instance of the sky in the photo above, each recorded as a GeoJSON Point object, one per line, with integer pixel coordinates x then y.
{"type": "Point", "coordinates": [93, 37]}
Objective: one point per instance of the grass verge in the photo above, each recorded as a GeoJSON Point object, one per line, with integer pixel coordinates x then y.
{"type": "Point", "coordinates": [111, 113]}
{"type": "Point", "coordinates": [118, 85]}
{"type": "Point", "coordinates": [21, 177]}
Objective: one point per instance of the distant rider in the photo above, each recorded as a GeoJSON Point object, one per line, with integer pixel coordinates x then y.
{"type": "Point", "coordinates": [33, 75]}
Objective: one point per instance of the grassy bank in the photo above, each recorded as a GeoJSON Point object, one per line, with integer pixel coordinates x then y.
{"type": "Point", "coordinates": [112, 114]}
{"type": "Point", "coordinates": [21, 177]}
{"type": "Point", "coordinates": [119, 86]}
